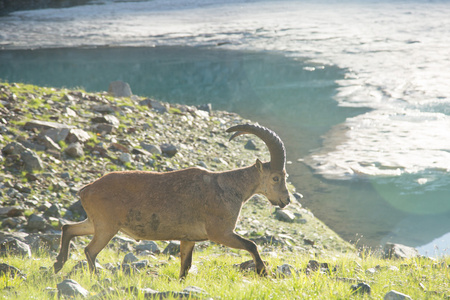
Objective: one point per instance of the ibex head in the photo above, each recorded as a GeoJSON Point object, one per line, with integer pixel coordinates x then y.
{"type": "Point", "coordinates": [272, 174]}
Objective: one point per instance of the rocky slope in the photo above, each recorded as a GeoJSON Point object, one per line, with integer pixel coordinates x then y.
{"type": "Point", "coordinates": [54, 141]}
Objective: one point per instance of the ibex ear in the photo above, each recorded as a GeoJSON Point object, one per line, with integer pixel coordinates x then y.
{"type": "Point", "coordinates": [259, 165]}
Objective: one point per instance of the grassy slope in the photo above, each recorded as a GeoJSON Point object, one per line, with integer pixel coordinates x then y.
{"type": "Point", "coordinates": [198, 139]}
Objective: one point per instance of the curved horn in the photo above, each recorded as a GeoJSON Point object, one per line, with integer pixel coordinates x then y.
{"type": "Point", "coordinates": [270, 138]}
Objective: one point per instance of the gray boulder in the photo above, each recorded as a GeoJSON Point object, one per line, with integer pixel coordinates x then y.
{"type": "Point", "coordinates": [50, 144]}
{"type": "Point", "coordinates": [119, 89]}
{"type": "Point", "coordinates": [78, 135]}
{"type": "Point", "coordinates": [147, 246]}
{"type": "Point", "coordinates": [71, 288]}
{"type": "Point", "coordinates": [151, 148]}
{"type": "Point", "coordinates": [250, 145]}
{"type": "Point", "coordinates": [10, 271]}
{"type": "Point", "coordinates": [169, 149]}
{"type": "Point", "coordinates": [285, 270]}
{"type": "Point", "coordinates": [173, 248]}
{"type": "Point", "coordinates": [44, 125]}
{"type": "Point", "coordinates": [10, 245]}
{"type": "Point", "coordinates": [31, 160]}
{"type": "Point", "coordinates": [285, 215]}
{"type": "Point", "coordinates": [126, 158]}
{"type": "Point", "coordinates": [394, 295]}
{"type": "Point", "coordinates": [361, 288]}
{"type": "Point", "coordinates": [36, 222]}
{"type": "Point", "coordinates": [130, 258]}
{"type": "Point", "coordinates": [74, 150]}
{"type": "Point", "coordinates": [13, 148]}
{"type": "Point", "coordinates": [398, 251]}
{"type": "Point", "coordinates": [107, 119]}
{"type": "Point", "coordinates": [56, 134]}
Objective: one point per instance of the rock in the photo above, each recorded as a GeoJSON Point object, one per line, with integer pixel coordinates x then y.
{"type": "Point", "coordinates": [394, 295]}
{"type": "Point", "coordinates": [285, 215]}
{"type": "Point", "coordinates": [103, 128]}
{"type": "Point", "coordinates": [10, 271]}
{"type": "Point", "coordinates": [202, 114]}
{"type": "Point", "coordinates": [71, 288]}
{"type": "Point", "coordinates": [155, 105]}
{"type": "Point", "coordinates": [250, 145]}
{"type": "Point", "coordinates": [195, 291]}
{"type": "Point", "coordinates": [107, 119]}
{"type": "Point", "coordinates": [42, 125]}
{"type": "Point", "coordinates": [56, 134]}
{"type": "Point", "coordinates": [169, 149]}
{"type": "Point", "coordinates": [70, 112]}
{"type": "Point", "coordinates": [248, 265]}
{"type": "Point", "coordinates": [205, 107]}
{"type": "Point", "coordinates": [13, 148]}
{"type": "Point", "coordinates": [129, 269]}
{"type": "Point", "coordinates": [141, 264]}
{"type": "Point", "coordinates": [130, 258]}
{"type": "Point", "coordinates": [398, 251]}
{"type": "Point", "coordinates": [285, 270]}
{"type": "Point", "coordinates": [151, 148]}
{"type": "Point", "coordinates": [78, 135]}
{"type": "Point", "coordinates": [104, 109]}
{"type": "Point", "coordinates": [50, 241]}
{"type": "Point", "coordinates": [361, 288]}
{"type": "Point", "coordinates": [11, 211]}
{"type": "Point", "coordinates": [148, 246]}
{"type": "Point", "coordinates": [50, 144]}
{"type": "Point", "coordinates": [268, 240]}
{"type": "Point", "coordinates": [12, 222]}
{"type": "Point", "coordinates": [12, 246]}
{"type": "Point", "coordinates": [138, 151]}
{"type": "Point", "coordinates": [126, 158]}
{"type": "Point", "coordinates": [314, 266]}
{"type": "Point", "coordinates": [78, 209]}
{"type": "Point", "coordinates": [173, 248]}
{"type": "Point", "coordinates": [298, 196]}
{"type": "Point", "coordinates": [74, 150]}
{"type": "Point", "coordinates": [36, 222]}
{"type": "Point", "coordinates": [53, 211]}
{"type": "Point", "coordinates": [119, 89]}
{"type": "Point", "coordinates": [31, 161]}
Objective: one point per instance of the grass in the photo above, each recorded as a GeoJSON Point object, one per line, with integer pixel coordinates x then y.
{"type": "Point", "coordinates": [419, 278]}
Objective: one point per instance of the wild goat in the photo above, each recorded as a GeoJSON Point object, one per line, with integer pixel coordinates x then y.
{"type": "Point", "coordinates": [188, 205]}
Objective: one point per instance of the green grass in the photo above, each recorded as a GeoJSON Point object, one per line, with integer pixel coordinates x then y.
{"type": "Point", "coordinates": [418, 278]}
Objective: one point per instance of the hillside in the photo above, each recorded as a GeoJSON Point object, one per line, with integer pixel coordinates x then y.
{"type": "Point", "coordinates": [54, 141]}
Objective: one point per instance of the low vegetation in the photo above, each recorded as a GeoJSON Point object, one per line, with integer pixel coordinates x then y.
{"type": "Point", "coordinates": [306, 260]}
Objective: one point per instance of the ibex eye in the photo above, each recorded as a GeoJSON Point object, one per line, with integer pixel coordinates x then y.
{"type": "Point", "coordinates": [276, 179]}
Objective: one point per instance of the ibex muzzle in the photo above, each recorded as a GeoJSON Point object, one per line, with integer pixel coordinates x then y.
{"type": "Point", "coordinates": [187, 205]}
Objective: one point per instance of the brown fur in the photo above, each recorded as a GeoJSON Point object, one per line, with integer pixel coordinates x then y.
{"type": "Point", "coordinates": [187, 205]}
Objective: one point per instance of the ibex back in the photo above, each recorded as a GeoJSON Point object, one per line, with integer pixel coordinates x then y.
{"type": "Point", "coordinates": [188, 205]}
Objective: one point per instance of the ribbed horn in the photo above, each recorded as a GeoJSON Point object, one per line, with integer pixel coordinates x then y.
{"type": "Point", "coordinates": [270, 138]}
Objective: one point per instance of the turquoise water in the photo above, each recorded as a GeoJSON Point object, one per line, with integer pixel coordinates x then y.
{"type": "Point", "coordinates": [289, 95]}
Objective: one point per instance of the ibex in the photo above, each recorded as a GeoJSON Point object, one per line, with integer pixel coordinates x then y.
{"type": "Point", "coordinates": [188, 205]}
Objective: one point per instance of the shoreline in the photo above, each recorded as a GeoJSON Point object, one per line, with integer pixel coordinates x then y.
{"type": "Point", "coordinates": [197, 134]}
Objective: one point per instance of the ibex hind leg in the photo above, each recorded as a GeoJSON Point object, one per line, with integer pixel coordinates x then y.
{"type": "Point", "coordinates": [102, 236]}
{"type": "Point", "coordinates": [70, 231]}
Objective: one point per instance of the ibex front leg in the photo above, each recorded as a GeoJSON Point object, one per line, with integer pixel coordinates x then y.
{"type": "Point", "coordinates": [186, 249]}
{"type": "Point", "coordinates": [236, 241]}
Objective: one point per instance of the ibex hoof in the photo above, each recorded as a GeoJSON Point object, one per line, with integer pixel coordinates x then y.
{"type": "Point", "coordinates": [57, 266]}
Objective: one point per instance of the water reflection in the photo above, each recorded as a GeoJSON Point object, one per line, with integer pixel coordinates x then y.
{"type": "Point", "coordinates": [288, 95]}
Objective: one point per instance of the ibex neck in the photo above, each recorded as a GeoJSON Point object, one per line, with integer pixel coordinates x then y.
{"type": "Point", "coordinates": [243, 182]}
